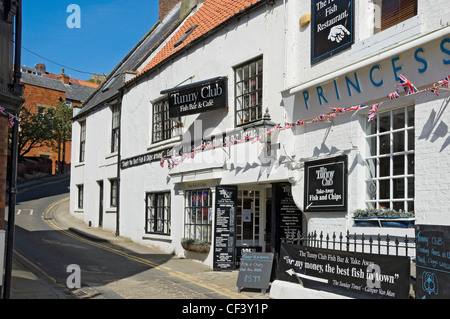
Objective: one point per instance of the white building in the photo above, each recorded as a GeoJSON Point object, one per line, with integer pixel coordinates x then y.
{"type": "Point", "coordinates": [197, 98]}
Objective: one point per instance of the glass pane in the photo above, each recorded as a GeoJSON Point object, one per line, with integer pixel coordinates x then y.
{"type": "Point", "coordinates": [410, 112]}
{"type": "Point", "coordinates": [410, 140]}
{"type": "Point", "coordinates": [371, 190]}
{"type": "Point", "coordinates": [410, 163]}
{"type": "Point", "coordinates": [410, 187]}
{"type": "Point", "coordinates": [399, 165]}
{"type": "Point", "coordinates": [399, 142]}
{"type": "Point", "coordinates": [399, 188]}
{"type": "Point", "coordinates": [384, 189]}
{"type": "Point", "coordinates": [385, 122]}
{"type": "Point", "coordinates": [399, 118]}
{"type": "Point", "coordinates": [410, 206]}
{"type": "Point", "coordinates": [371, 127]}
{"type": "Point", "coordinates": [399, 206]}
{"type": "Point", "coordinates": [385, 144]}
{"type": "Point", "coordinates": [385, 164]}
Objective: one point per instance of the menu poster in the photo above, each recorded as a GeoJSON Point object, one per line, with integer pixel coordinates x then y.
{"type": "Point", "coordinates": [225, 228]}
{"type": "Point", "coordinates": [432, 262]}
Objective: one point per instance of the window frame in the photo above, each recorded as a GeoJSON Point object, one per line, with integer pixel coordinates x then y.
{"type": "Point", "coordinates": [80, 198]}
{"type": "Point", "coordinates": [115, 128]}
{"type": "Point", "coordinates": [113, 194]}
{"type": "Point", "coordinates": [168, 126]}
{"type": "Point", "coordinates": [245, 91]}
{"type": "Point", "coordinates": [395, 16]}
{"type": "Point", "coordinates": [157, 215]}
{"type": "Point", "coordinates": [198, 228]}
{"type": "Point", "coordinates": [82, 155]}
{"type": "Point", "coordinates": [390, 172]}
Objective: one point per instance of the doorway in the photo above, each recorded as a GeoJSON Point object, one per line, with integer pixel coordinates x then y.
{"type": "Point", "coordinates": [248, 220]}
{"type": "Point", "coordinates": [100, 205]}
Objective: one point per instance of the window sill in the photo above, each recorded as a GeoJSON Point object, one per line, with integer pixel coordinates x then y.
{"type": "Point", "coordinates": [111, 210]}
{"type": "Point", "coordinates": [80, 164]}
{"type": "Point", "coordinates": [162, 144]}
{"type": "Point", "coordinates": [79, 211]}
{"type": "Point", "coordinates": [157, 237]}
{"type": "Point", "coordinates": [111, 155]}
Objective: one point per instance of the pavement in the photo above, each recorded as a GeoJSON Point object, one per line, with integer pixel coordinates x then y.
{"type": "Point", "coordinates": [182, 278]}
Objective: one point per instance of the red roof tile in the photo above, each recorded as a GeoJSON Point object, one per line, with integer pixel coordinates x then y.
{"type": "Point", "coordinates": [209, 16]}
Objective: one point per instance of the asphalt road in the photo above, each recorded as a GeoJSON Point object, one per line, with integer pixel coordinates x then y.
{"type": "Point", "coordinates": [104, 269]}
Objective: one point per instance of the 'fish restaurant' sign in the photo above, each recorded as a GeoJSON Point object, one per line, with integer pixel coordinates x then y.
{"type": "Point", "coordinates": [197, 97]}
{"type": "Point", "coordinates": [422, 65]}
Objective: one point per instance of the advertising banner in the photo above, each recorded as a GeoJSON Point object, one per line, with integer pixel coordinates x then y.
{"type": "Point", "coordinates": [356, 275]}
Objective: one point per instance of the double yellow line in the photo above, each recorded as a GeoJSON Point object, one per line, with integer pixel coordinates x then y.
{"type": "Point", "coordinates": [174, 273]}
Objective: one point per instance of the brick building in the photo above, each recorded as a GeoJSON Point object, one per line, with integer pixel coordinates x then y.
{"type": "Point", "coordinates": [44, 90]}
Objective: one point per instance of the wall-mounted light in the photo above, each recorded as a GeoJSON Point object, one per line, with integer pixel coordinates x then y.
{"type": "Point", "coordinates": [305, 20]}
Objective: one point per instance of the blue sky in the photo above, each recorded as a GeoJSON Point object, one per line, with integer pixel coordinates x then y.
{"type": "Point", "coordinates": [109, 29]}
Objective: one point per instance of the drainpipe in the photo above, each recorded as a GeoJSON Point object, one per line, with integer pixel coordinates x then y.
{"type": "Point", "coordinates": [118, 169]}
{"type": "Point", "coordinates": [14, 156]}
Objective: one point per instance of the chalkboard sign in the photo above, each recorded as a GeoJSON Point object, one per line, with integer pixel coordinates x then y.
{"type": "Point", "coordinates": [332, 27]}
{"type": "Point", "coordinates": [432, 262]}
{"type": "Point", "coordinates": [225, 228]}
{"type": "Point", "coordinates": [326, 185]}
{"type": "Point", "coordinates": [255, 270]}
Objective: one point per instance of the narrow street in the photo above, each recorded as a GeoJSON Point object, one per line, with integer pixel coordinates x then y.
{"type": "Point", "coordinates": [110, 267]}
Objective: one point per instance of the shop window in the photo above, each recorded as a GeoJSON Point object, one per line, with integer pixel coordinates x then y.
{"type": "Point", "coordinates": [249, 92]}
{"type": "Point", "coordinates": [391, 12]}
{"type": "Point", "coordinates": [158, 213]}
{"type": "Point", "coordinates": [80, 196]}
{"type": "Point", "coordinates": [164, 127]}
{"type": "Point", "coordinates": [82, 140]}
{"type": "Point", "coordinates": [198, 216]}
{"type": "Point", "coordinates": [115, 128]}
{"type": "Point", "coordinates": [390, 160]}
{"type": "Point", "coordinates": [113, 194]}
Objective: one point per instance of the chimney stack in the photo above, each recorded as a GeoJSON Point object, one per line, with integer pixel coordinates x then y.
{"type": "Point", "coordinates": [165, 6]}
{"type": "Point", "coordinates": [41, 67]}
{"type": "Point", "coordinates": [63, 77]}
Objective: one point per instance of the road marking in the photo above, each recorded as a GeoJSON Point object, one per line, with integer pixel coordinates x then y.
{"type": "Point", "coordinates": [151, 264]}
{"type": "Point", "coordinates": [19, 211]}
{"type": "Point", "coordinates": [31, 212]}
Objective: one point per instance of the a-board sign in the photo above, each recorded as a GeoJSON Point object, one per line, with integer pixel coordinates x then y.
{"type": "Point", "coordinates": [326, 185]}
{"type": "Point", "coordinates": [225, 228]}
{"type": "Point", "coordinates": [332, 27]}
{"type": "Point", "coordinates": [432, 262]}
{"type": "Point", "coordinates": [356, 275]}
{"type": "Point", "coordinates": [254, 271]}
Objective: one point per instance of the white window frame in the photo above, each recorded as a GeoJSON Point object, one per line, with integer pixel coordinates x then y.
{"type": "Point", "coordinates": [385, 178]}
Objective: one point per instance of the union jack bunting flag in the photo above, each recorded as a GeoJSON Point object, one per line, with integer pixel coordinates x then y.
{"type": "Point", "coordinates": [161, 162]}
{"type": "Point", "coordinates": [407, 85]}
{"type": "Point", "coordinates": [256, 139]}
{"type": "Point", "coordinates": [11, 120]}
{"type": "Point", "coordinates": [373, 111]}
{"type": "Point", "coordinates": [287, 125]}
{"type": "Point", "coordinates": [445, 81]}
{"type": "Point", "coordinates": [393, 95]}
{"type": "Point", "coordinates": [2, 110]}
{"type": "Point", "coordinates": [354, 108]}
{"type": "Point", "coordinates": [299, 122]}
{"type": "Point", "coordinates": [434, 90]}
{"type": "Point", "coordinates": [337, 109]}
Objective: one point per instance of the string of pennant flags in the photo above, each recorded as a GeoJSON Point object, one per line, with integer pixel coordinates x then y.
{"type": "Point", "coordinates": [404, 83]}
{"type": "Point", "coordinates": [11, 117]}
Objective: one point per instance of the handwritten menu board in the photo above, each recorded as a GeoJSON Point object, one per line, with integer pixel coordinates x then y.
{"type": "Point", "coordinates": [432, 262]}
{"type": "Point", "coordinates": [255, 270]}
{"type": "Point", "coordinates": [225, 228]}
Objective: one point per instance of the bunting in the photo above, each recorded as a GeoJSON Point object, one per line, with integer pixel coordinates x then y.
{"type": "Point", "coordinates": [408, 86]}
{"type": "Point", "coordinates": [11, 117]}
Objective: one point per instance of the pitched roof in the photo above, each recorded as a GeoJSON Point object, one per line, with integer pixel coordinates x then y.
{"type": "Point", "coordinates": [74, 92]}
{"type": "Point", "coordinates": [110, 88]}
{"type": "Point", "coordinates": [211, 15]}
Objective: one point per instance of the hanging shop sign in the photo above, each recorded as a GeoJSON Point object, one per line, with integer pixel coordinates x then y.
{"type": "Point", "coordinates": [356, 275]}
{"type": "Point", "coordinates": [225, 228]}
{"type": "Point", "coordinates": [432, 262]}
{"type": "Point", "coordinates": [145, 158]}
{"type": "Point", "coordinates": [326, 185]}
{"type": "Point", "coordinates": [332, 28]}
{"type": "Point", "coordinates": [196, 98]}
